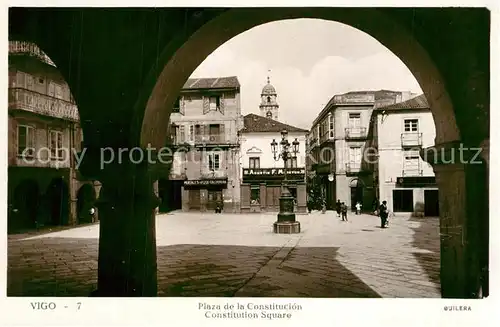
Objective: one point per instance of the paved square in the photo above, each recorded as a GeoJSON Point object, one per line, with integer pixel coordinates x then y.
{"type": "Point", "coordinates": [238, 255]}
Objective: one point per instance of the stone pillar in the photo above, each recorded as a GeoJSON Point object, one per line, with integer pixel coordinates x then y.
{"type": "Point", "coordinates": [463, 206]}
{"type": "Point", "coordinates": [203, 199]}
{"type": "Point", "coordinates": [185, 199]}
{"type": "Point", "coordinates": [301, 198]}
{"type": "Point", "coordinates": [245, 198]}
{"type": "Point", "coordinates": [127, 234]}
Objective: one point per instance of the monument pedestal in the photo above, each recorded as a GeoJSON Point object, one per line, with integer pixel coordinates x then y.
{"type": "Point", "coordinates": [286, 223]}
{"type": "Point", "coordinates": [286, 227]}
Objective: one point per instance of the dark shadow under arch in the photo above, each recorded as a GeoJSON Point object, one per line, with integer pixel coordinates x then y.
{"type": "Point", "coordinates": [24, 206]}
{"type": "Point", "coordinates": [85, 200]}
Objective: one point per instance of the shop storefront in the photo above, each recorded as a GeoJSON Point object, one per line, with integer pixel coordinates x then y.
{"type": "Point", "coordinates": [203, 194]}
{"type": "Point", "coordinates": [261, 189]}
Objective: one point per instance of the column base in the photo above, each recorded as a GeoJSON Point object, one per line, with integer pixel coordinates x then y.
{"type": "Point", "coordinates": [286, 227]}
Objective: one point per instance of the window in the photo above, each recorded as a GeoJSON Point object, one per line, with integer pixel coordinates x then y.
{"type": "Point", "coordinates": [41, 81]}
{"type": "Point", "coordinates": [29, 82]}
{"type": "Point", "coordinates": [354, 120]}
{"type": "Point", "coordinates": [177, 105]}
{"type": "Point", "coordinates": [332, 126]}
{"type": "Point", "coordinates": [355, 156]}
{"type": "Point", "coordinates": [214, 161]}
{"type": "Point", "coordinates": [25, 140]}
{"type": "Point", "coordinates": [411, 125]}
{"type": "Point", "coordinates": [191, 132]}
{"type": "Point", "coordinates": [269, 114]}
{"type": "Point", "coordinates": [254, 162]}
{"type": "Point", "coordinates": [255, 194]}
{"type": "Point", "coordinates": [268, 99]}
{"type": "Point", "coordinates": [214, 103]}
{"type": "Point", "coordinates": [411, 162]}
{"type": "Point", "coordinates": [21, 82]}
{"type": "Point", "coordinates": [58, 92]}
{"type": "Point", "coordinates": [56, 147]}
{"type": "Point", "coordinates": [182, 133]}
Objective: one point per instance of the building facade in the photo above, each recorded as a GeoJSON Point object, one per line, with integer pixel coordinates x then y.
{"type": "Point", "coordinates": [337, 145]}
{"type": "Point", "coordinates": [262, 175]}
{"type": "Point", "coordinates": [204, 134]}
{"type": "Point", "coordinates": [401, 177]}
{"type": "Point", "coordinates": [44, 186]}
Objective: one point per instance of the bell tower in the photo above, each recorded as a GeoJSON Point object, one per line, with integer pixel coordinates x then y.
{"type": "Point", "coordinates": [268, 105]}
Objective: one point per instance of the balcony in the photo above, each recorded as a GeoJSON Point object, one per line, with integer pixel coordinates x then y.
{"type": "Point", "coordinates": [355, 133]}
{"type": "Point", "coordinates": [210, 139]}
{"type": "Point", "coordinates": [213, 174]}
{"type": "Point", "coordinates": [313, 142]}
{"type": "Point", "coordinates": [22, 99]}
{"type": "Point", "coordinates": [352, 167]}
{"type": "Point", "coordinates": [412, 171]}
{"type": "Point", "coordinates": [411, 139]}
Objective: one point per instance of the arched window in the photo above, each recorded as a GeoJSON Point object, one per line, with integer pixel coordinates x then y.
{"type": "Point", "coordinates": [269, 114]}
{"type": "Point", "coordinates": [268, 99]}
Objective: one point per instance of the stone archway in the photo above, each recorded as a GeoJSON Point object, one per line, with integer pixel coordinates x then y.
{"type": "Point", "coordinates": [179, 65]}
{"type": "Point", "coordinates": [24, 207]}
{"type": "Point", "coordinates": [403, 44]}
{"type": "Point", "coordinates": [85, 200]}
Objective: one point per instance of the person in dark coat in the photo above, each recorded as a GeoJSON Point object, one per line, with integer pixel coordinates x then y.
{"type": "Point", "coordinates": [338, 208]}
{"type": "Point", "coordinates": [343, 209]}
{"type": "Point", "coordinates": [383, 213]}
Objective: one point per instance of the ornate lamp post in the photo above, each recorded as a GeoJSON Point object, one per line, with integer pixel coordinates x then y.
{"type": "Point", "coordinates": [286, 223]}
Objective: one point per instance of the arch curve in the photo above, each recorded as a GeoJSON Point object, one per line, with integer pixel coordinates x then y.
{"type": "Point", "coordinates": [232, 22]}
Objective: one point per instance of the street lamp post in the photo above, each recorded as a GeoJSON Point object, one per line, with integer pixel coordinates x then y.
{"type": "Point", "coordinates": [286, 223]}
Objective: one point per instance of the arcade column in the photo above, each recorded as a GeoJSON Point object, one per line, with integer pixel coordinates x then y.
{"type": "Point", "coordinates": [127, 236]}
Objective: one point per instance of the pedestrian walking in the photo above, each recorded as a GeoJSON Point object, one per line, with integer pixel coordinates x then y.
{"type": "Point", "coordinates": [343, 209]}
{"type": "Point", "coordinates": [383, 213]}
{"type": "Point", "coordinates": [338, 207]}
{"type": "Point", "coordinates": [358, 208]}
{"type": "Point", "coordinates": [91, 214]}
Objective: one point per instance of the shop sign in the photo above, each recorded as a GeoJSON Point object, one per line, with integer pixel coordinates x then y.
{"type": "Point", "coordinates": [204, 182]}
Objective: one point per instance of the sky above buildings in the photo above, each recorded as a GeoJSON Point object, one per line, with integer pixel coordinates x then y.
{"type": "Point", "coordinates": [309, 60]}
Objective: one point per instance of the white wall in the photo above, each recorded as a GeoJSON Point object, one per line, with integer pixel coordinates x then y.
{"type": "Point", "coordinates": [391, 158]}
{"type": "Point", "coordinates": [261, 142]}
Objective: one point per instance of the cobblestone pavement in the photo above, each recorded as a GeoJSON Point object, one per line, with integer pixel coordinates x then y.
{"type": "Point", "coordinates": [238, 255]}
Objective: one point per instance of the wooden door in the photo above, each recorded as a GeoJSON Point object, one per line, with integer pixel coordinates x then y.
{"type": "Point", "coordinates": [194, 199]}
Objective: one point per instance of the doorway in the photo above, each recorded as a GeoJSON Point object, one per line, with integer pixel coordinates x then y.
{"type": "Point", "coordinates": [356, 196]}
{"type": "Point", "coordinates": [24, 208]}
{"type": "Point", "coordinates": [402, 200]}
{"type": "Point", "coordinates": [214, 198]}
{"type": "Point", "coordinates": [58, 203]}
{"type": "Point", "coordinates": [85, 200]}
{"type": "Point", "coordinates": [431, 203]}
{"type": "Point", "coordinates": [194, 199]}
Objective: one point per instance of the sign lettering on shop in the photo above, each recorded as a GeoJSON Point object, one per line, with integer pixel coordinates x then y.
{"type": "Point", "coordinates": [197, 182]}
{"type": "Point", "coordinates": [273, 171]}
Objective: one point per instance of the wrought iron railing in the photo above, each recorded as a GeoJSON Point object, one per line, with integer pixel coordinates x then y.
{"type": "Point", "coordinates": [411, 139]}
{"type": "Point", "coordinates": [353, 167]}
{"type": "Point", "coordinates": [355, 133]}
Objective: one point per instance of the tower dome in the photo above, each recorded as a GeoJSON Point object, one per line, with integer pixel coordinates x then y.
{"type": "Point", "coordinates": [268, 88]}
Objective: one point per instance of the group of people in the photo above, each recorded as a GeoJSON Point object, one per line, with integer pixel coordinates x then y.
{"type": "Point", "coordinates": [341, 209]}
{"type": "Point", "coordinates": [382, 212]}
